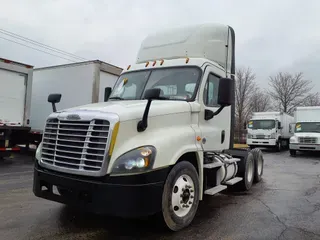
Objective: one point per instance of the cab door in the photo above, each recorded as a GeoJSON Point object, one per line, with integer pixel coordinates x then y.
{"type": "Point", "coordinates": [215, 131]}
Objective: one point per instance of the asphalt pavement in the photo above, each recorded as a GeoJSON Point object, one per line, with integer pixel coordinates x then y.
{"type": "Point", "coordinates": [285, 205]}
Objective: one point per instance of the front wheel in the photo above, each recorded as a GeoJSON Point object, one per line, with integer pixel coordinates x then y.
{"type": "Point", "coordinates": [278, 146]}
{"type": "Point", "coordinates": [293, 153]}
{"type": "Point", "coordinates": [180, 198]}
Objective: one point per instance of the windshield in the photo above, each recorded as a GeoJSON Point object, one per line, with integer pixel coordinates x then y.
{"type": "Point", "coordinates": [262, 124]}
{"type": "Point", "coordinates": [178, 83]}
{"type": "Point", "coordinates": [307, 127]}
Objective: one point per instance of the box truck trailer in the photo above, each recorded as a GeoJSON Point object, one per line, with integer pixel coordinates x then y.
{"type": "Point", "coordinates": [162, 141]}
{"type": "Point", "coordinates": [269, 129]}
{"type": "Point", "coordinates": [15, 100]}
{"type": "Point", "coordinates": [80, 83]}
{"type": "Point", "coordinates": [306, 130]}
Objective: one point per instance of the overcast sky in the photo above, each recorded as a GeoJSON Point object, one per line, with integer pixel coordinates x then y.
{"type": "Point", "coordinates": [270, 35]}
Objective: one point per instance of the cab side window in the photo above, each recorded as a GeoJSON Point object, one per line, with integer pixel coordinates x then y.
{"type": "Point", "coordinates": [210, 94]}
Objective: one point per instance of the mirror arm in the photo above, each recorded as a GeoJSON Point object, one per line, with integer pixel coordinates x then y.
{"type": "Point", "coordinates": [143, 124]}
{"type": "Point", "coordinates": [218, 111]}
{"type": "Point", "coordinates": [54, 108]}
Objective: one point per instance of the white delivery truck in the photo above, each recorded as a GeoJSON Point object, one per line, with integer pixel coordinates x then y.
{"type": "Point", "coordinates": [15, 98]}
{"type": "Point", "coordinates": [269, 129]}
{"type": "Point", "coordinates": [162, 141]}
{"type": "Point", "coordinates": [79, 83]}
{"type": "Point", "coordinates": [306, 130]}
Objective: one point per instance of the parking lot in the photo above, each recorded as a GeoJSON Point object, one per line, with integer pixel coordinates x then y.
{"type": "Point", "coordinates": [285, 205]}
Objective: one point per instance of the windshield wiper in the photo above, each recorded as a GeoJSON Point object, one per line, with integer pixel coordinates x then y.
{"type": "Point", "coordinates": [118, 98]}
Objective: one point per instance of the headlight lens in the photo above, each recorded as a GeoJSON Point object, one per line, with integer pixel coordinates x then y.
{"type": "Point", "coordinates": [38, 152]}
{"type": "Point", "coordinates": [249, 136]}
{"type": "Point", "coordinates": [293, 140]}
{"type": "Point", "coordinates": [273, 135]}
{"type": "Point", "coordinates": [137, 160]}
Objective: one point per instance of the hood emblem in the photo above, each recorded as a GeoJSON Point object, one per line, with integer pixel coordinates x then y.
{"type": "Point", "coordinates": [73, 117]}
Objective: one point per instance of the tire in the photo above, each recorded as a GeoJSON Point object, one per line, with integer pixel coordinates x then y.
{"type": "Point", "coordinates": [181, 189]}
{"type": "Point", "coordinates": [278, 146]}
{"type": "Point", "coordinates": [246, 171]}
{"type": "Point", "coordinates": [258, 164]}
{"type": "Point", "coordinates": [293, 153]}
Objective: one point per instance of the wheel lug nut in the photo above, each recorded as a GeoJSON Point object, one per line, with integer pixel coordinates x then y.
{"type": "Point", "coordinates": [191, 196]}
{"type": "Point", "coordinates": [190, 202]}
{"type": "Point", "coordinates": [191, 190]}
{"type": "Point", "coordinates": [187, 206]}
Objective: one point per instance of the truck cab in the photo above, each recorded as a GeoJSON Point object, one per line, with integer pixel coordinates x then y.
{"type": "Point", "coordinates": [162, 140]}
{"type": "Point", "coordinates": [306, 130]}
{"type": "Point", "coordinates": [269, 129]}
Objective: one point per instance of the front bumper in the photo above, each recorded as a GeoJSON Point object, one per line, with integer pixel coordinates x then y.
{"type": "Point", "coordinates": [304, 147]}
{"type": "Point", "coordinates": [261, 142]}
{"type": "Point", "coordinates": [123, 196]}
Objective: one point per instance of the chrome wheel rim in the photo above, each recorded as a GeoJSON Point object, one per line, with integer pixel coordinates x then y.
{"type": "Point", "coordinates": [182, 198]}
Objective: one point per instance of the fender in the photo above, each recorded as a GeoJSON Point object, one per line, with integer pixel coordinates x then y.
{"type": "Point", "coordinates": [171, 140]}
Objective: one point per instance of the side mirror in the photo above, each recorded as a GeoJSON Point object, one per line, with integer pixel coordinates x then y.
{"type": "Point", "coordinates": [292, 127]}
{"type": "Point", "coordinates": [150, 94]}
{"type": "Point", "coordinates": [226, 91]}
{"type": "Point", "coordinates": [279, 125]}
{"type": "Point", "coordinates": [225, 96]}
{"type": "Point", "coordinates": [54, 98]}
{"type": "Point", "coordinates": [107, 92]}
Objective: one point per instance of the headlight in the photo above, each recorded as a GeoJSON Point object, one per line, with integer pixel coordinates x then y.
{"type": "Point", "coordinates": [293, 140]}
{"type": "Point", "coordinates": [38, 152]}
{"type": "Point", "coordinates": [137, 160]}
{"type": "Point", "coordinates": [273, 135]}
{"type": "Point", "coordinates": [249, 136]}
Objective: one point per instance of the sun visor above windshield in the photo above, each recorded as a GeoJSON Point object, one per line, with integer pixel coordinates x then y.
{"type": "Point", "coordinates": [208, 41]}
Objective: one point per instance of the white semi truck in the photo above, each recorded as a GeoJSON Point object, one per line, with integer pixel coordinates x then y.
{"type": "Point", "coordinates": [306, 130]}
{"type": "Point", "coordinates": [15, 99]}
{"type": "Point", "coordinates": [269, 129]}
{"type": "Point", "coordinates": [162, 141]}
{"type": "Point", "coordinates": [80, 83]}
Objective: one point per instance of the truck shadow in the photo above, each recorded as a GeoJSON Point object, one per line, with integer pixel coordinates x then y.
{"type": "Point", "coordinates": [104, 227]}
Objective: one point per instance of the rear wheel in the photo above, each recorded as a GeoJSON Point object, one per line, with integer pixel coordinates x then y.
{"type": "Point", "coordinates": [246, 171]}
{"type": "Point", "coordinates": [258, 164]}
{"type": "Point", "coordinates": [180, 198]}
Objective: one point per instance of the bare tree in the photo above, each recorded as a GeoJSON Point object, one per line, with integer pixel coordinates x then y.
{"type": "Point", "coordinates": [312, 100]}
{"type": "Point", "coordinates": [245, 88]}
{"type": "Point", "coordinates": [289, 91]}
{"type": "Point", "coordinates": [260, 102]}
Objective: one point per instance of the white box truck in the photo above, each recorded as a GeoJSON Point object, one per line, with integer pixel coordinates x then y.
{"type": "Point", "coordinates": [15, 99]}
{"type": "Point", "coordinates": [162, 141]}
{"type": "Point", "coordinates": [269, 129]}
{"type": "Point", "coordinates": [306, 130]}
{"type": "Point", "coordinates": [79, 83]}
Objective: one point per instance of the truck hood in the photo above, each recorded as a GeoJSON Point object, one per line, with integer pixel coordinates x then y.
{"type": "Point", "coordinates": [307, 134]}
{"type": "Point", "coordinates": [129, 110]}
{"type": "Point", "coordinates": [261, 131]}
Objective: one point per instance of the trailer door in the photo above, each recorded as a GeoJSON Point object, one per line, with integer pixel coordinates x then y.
{"type": "Point", "coordinates": [12, 97]}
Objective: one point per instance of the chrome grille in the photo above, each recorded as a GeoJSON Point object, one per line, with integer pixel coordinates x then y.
{"type": "Point", "coordinates": [260, 136]}
{"type": "Point", "coordinates": [78, 145]}
{"type": "Point", "coordinates": [307, 140]}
